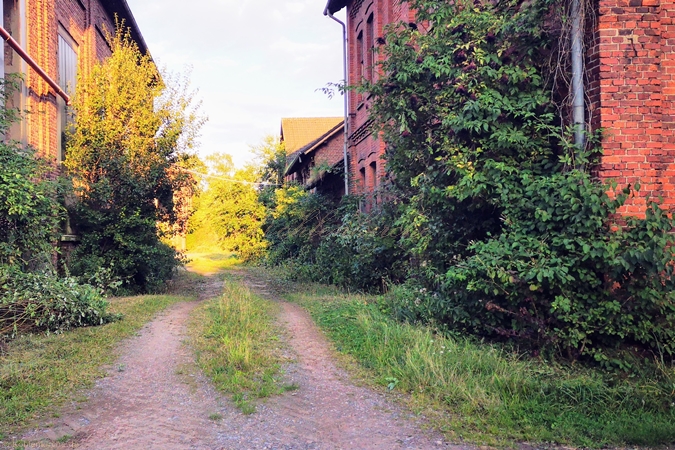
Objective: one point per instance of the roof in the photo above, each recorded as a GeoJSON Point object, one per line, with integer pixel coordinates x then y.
{"type": "Point", "coordinates": [301, 131]}
{"type": "Point", "coordinates": [334, 6]}
{"type": "Point", "coordinates": [121, 8]}
{"type": "Point", "coordinates": [294, 157]}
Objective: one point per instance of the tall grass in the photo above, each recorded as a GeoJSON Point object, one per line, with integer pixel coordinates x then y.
{"type": "Point", "coordinates": [481, 393]}
{"type": "Point", "coordinates": [237, 345]}
{"type": "Point", "coordinates": [39, 372]}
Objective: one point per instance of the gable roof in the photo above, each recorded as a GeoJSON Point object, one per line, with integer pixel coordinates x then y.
{"type": "Point", "coordinates": [121, 8]}
{"type": "Point", "coordinates": [298, 132]}
{"type": "Point", "coordinates": [295, 157]}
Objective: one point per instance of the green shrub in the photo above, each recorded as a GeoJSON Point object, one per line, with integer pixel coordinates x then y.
{"type": "Point", "coordinates": [29, 210]}
{"type": "Point", "coordinates": [564, 272]}
{"type": "Point", "coordinates": [41, 302]}
{"type": "Point", "coordinates": [125, 153]}
{"type": "Point", "coordinates": [321, 240]}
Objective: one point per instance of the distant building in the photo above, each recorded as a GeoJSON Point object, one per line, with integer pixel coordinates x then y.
{"type": "Point", "coordinates": [63, 38]}
{"type": "Point", "coordinates": [315, 147]}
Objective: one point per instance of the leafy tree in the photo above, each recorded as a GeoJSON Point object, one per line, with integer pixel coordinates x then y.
{"type": "Point", "coordinates": [132, 129]}
{"type": "Point", "coordinates": [272, 159]}
{"type": "Point", "coordinates": [228, 210]}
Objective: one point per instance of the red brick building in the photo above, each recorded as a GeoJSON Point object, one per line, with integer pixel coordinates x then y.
{"type": "Point", "coordinates": [315, 147]}
{"type": "Point", "coordinates": [64, 38]}
{"type": "Point", "coordinates": [365, 22]}
{"type": "Point", "coordinates": [629, 80]}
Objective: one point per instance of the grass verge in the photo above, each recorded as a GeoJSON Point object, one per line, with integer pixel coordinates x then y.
{"type": "Point", "coordinates": [483, 394]}
{"type": "Point", "coordinates": [237, 345]}
{"type": "Point", "coordinates": [39, 372]}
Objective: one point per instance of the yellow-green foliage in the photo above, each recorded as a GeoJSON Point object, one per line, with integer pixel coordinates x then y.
{"type": "Point", "coordinates": [228, 211]}
{"type": "Point", "coordinates": [125, 153]}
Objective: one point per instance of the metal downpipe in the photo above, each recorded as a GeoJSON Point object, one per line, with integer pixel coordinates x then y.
{"type": "Point", "coordinates": [326, 12]}
{"type": "Point", "coordinates": [578, 114]}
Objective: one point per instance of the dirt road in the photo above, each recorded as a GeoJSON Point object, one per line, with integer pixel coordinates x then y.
{"type": "Point", "coordinates": [151, 401]}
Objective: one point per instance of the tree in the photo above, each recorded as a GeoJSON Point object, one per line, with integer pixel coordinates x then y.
{"type": "Point", "coordinates": [133, 127]}
{"type": "Point", "coordinates": [272, 159]}
{"type": "Point", "coordinates": [228, 210]}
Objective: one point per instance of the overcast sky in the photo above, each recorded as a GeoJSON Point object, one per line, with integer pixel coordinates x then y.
{"type": "Point", "coordinates": [253, 61]}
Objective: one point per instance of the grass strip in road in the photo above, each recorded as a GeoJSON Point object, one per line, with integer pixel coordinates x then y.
{"type": "Point", "coordinates": [237, 345]}
{"type": "Point", "coordinates": [40, 372]}
{"type": "Point", "coordinates": [483, 394]}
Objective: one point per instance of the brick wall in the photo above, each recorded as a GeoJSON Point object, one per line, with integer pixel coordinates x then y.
{"type": "Point", "coordinates": [365, 151]}
{"type": "Point", "coordinates": [84, 21]}
{"type": "Point", "coordinates": [631, 68]}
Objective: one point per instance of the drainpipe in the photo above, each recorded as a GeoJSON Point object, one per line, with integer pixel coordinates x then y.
{"type": "Point", "coordinates": [577, 76]}
{"type": "Point", "coordinates": [31, 62]}
{"type": "Point", "coordinates": [326, 12]}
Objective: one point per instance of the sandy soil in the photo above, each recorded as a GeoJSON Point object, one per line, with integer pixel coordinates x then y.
{"type": "Point", "coordinates": [150, 401]}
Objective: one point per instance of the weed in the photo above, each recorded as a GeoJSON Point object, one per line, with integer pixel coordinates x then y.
{"type": "Point", "coordinates": [236, 345]}
{"type": "Point", "coordinates": [215, 417]}
{"type": "Point", "coordinates": [65, 438]}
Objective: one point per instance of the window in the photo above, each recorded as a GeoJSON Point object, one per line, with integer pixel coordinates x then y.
{"type": "Point", "coordinates": [370, 47]}
{"type": "Point", "coordinates": [373, 175]}
{"type": "Point", "coordinates": [67, 64]}
{"type": "Point", "coordinates": [67, 57]}
{"type": "Point", "coordinates": [360, 56]}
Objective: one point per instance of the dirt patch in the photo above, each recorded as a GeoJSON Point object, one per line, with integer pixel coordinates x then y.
{"type": "Point", "coordinates": [149, 400]}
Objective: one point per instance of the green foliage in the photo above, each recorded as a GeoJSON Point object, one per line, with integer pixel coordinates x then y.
{"type": "Point", "coordinates": [132, 128]}
{"type": "Point", "coordinates": [34, 302]}
{"type": "Point", "coordinates": [271, 154]}
{"type": "Point", "coordinates": [322, 240]}
{"type": "Point", "coordinates": [29, 210]}
{"type": "Point", "coordinates": [229, 211]}
{"type": "Point", "coordinates": [506, 236]}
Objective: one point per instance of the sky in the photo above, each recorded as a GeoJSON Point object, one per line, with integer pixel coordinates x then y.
{"type": "Point", "coordinates": [253, 62]}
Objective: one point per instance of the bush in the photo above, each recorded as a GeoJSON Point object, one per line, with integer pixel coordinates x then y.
{"type": "Point", "coordinates": [29, 211]}
{"type": "Point", "coordinates": [564, 272]}
{"type": "Point", "coordinates": [40, 302]}
{"type": "Point", "coordinates": [125, 153]}
{"type": "Point", "coordinates": [321, 240]}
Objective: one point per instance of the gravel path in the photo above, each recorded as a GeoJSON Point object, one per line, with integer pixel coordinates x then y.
{"type": "Point", "coordinates": [149, 401]}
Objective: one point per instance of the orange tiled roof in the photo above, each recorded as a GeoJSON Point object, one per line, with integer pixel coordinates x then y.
{"type": "Point", "coordinates": [299, 131]}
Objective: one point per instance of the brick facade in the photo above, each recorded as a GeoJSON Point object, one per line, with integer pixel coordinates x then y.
{"type": "Point", "coordinates": [632, 87]}
{"type": "Point", "coordinates": [36, 25]}
{"type": "Point", "coordinates": [366, 20]}
{"type": "Point", "coordinates": [630, 74]}
{"type": "Point", "coordinates": [318, 165]}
